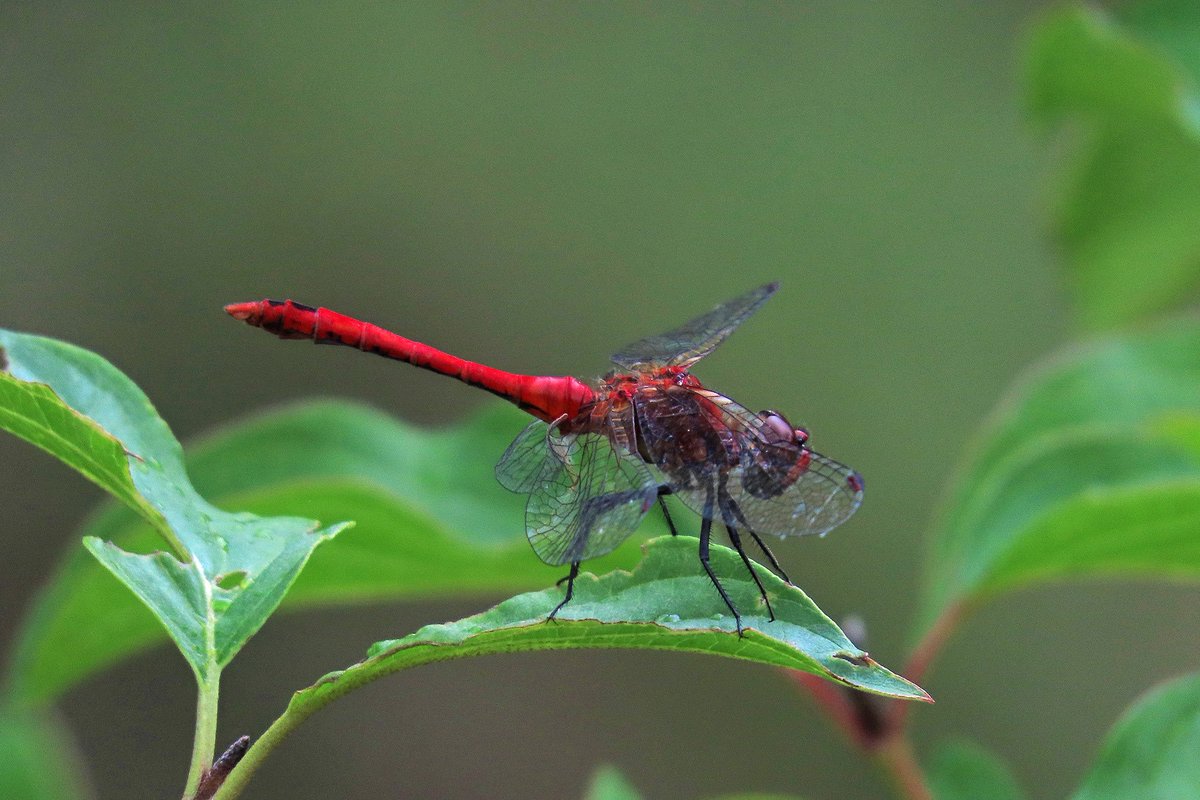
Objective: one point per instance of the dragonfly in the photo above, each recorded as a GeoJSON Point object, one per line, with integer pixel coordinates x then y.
{"type": "Point", "coordinates": [598, 456]}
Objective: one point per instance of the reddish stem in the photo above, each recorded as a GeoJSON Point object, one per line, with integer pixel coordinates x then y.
{"type": "Point", "coordinates": [863, 721]}
{"type": "Point", "coordinates": [895, 755]}
{"type": "Point", "coordinates": [923, 655]}
{"type": "Point", "coordinates": [836, 701]}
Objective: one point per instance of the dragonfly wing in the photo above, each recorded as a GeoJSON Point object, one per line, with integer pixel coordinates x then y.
{"type": "Point", "coordinates": [694, 340]}
{"type": "Point", "coordinates": [699, 438]}
{"type": "Point", "coordinates": [530, 454]}
{"type": "Point", "coordinates": [585, 495]}
{"type": "Point", "coordinates": [822, 497]}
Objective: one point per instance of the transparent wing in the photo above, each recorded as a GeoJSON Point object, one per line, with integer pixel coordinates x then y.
{"type": "Point", "coordinates": [824, 496]}
{"type": "Point", "coordinates": [764, 482]}
{"type": "Point", "coordinates": [530, 454]}
{"type": "Point", "coordinates": [694, 340]}
{"type": "Point", "coordinates": [586, 495]}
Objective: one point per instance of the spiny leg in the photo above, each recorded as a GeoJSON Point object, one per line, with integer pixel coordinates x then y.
{"type": "Point", "coordinates": [723, 502]}
{"type": "Point", "coordinates": [770, 556]}
{"type": "Point", "coordinates": [737, 545]}
{"type": "Point", "coordinates": [737, 512]}
{"type": "Point", "coordinates": [663, 491]}
{"type": "Point", "coordinates": [570, 579]}
{"type": "Point", "coordinates": [705, 534]}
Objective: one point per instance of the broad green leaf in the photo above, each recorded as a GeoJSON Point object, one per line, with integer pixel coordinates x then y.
{"type": "Point", "coordinates": [53, 419]}
{"type": "Point", "coordinates": [445, 474]}
{"type": "Point", "coordinates": [430, 520]}
{"type": "Point", "coordinates": [1127, 209]}
{"type": "Point", "coordinates": [609, 784]}
{"type": "Point", "coordinates": [665, 603]}
{"type": "Point", "coordinates": [965, 771]}
{"type": "Point", "coordinates": [1090, 466]}
{"type": "Point", "coordinates": [226, 572]}
{"type": "Point", "coordinates": [37, 759]}
{"type": "Point", "coordinates": [1151, 753]}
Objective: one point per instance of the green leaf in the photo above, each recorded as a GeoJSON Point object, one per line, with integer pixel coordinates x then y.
{"type": "Point", "coordinates": [963, 770]}
{"type": "Point", "coordinates": [1170, 26]}
{"type": "Point", "coordinates": [444, 474]}
{"type": "Point", "coordinates": [665, 603]}
{"type": "Point", "coordinates": [1091, 466]}
{"type": "Point", "coordinates": [226, 572]}
{"type": "Point", "coordinates": [37, 759]}
{"type": "Point", "coordinates": [51, 417]}
{"type": "Point", "coordinates": [426, 508]}
{"type": "Point", "coordinates": [1151, 753]}
{"type": "Point", "coordinates": [609, 784]}
{"type": "Point", "coordinates": [430, 517]}
{"type": "Point", "coordinates": [1127, 209]}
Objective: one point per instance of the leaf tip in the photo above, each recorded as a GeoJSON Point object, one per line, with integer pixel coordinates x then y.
{"type": "Point", "coordinates": [333, 530]}
{"type": "Point", "coordinates": [93, 544]}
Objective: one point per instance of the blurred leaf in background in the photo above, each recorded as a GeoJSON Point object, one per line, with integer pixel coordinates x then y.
{"type": "Point", "coordinates": [37, 761]}
{"type": "Point", "coordinates": [609, 784]}
{"type": "Point", "coordinates": [962, 770]}
{"type": "Point", "coordinates": [1151, 753]}
{"type": "Point", "coordinates": [1127, 211]}
{"type": "Point", "coordinates": [1088, 467]}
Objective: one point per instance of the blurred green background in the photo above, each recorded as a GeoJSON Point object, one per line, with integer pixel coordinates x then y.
{"type": "Point", "coordinates": [532, 186]}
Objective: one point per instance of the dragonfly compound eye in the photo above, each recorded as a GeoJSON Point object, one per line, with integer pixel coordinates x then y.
{"type": "Point", "coordinates": [781, 428]}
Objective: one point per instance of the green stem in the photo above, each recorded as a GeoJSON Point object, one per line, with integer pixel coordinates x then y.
{"type": "Point", "coordinates": [209, 680]}
{"type": "Point", "coordinates": [291, 719]}
{"type": "Point", "coordinates": [241, 774]}
{"type": "Point", "coordinates": [205, 743]}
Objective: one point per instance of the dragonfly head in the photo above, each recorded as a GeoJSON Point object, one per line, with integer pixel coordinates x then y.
{"type": "Point", "coordinates": [778, 425]}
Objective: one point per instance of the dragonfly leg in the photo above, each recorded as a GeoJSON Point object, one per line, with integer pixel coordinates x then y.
{"type": "Point", "coordinates": [737, 512]}
{"type": "Point", "coordinates": [724, 501]}
{"type": "Point", "coordinates": [663, 491]}
{"type": "Point", "coordinates": [705, 535]}
{"type": "Point", "coordinates": [570, 579]}
{"type": "Point", "coordinates": [770, 556]}
{"type": "Point", "coordinates": [737, 545]}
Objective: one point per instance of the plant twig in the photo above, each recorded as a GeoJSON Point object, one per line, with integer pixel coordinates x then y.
{"type": "Point", "coordinates": [868, 727]}
{"type": "Point", "coordinates": [895, 755]}
{"type": "Point", "coordinates": [240, 775]}
{"type": "Point", "coordinates": [215, 776]}
{"type": "Point", "coordinates": [206, 730]}
{"type": "Point", "coordinates": [923, 655]}
{"type": "Point", "coordinates": [853, 712]}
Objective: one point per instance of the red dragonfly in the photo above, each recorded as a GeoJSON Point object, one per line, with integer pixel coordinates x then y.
{"type": "Point", "coordinates": [599, 456]}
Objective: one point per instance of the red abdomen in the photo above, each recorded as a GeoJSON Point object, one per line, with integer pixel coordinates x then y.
{"type": "Point", "coordinates": [546, 397]}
